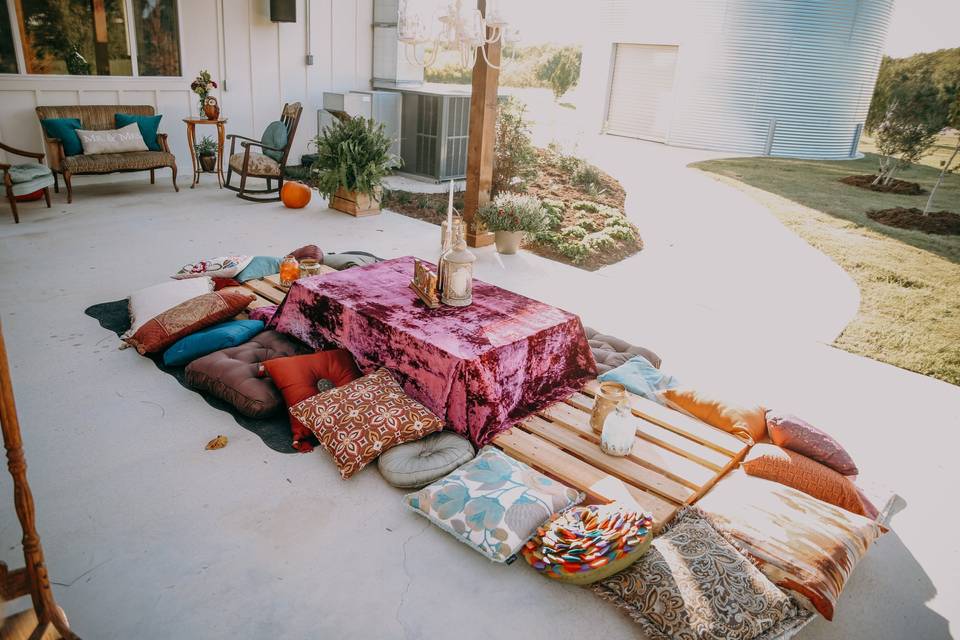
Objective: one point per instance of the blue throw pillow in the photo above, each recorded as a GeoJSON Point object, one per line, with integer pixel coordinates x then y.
{"type": "Point", "coordinates": [148, 126]}
{"type": "Point", "coordinates": [65, 130]}
{"type": "Point", "coordinates": [259, 267]}
{"type": "Point", "coordinates": [219, 336]}
{"type": "Point", "coordinates": [275, 135]}
{"type": "Point", "coordinates": [640, 377]}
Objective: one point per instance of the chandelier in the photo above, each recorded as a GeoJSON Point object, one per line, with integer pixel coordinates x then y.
{"type": "Point", "coordinates": [456, 29]}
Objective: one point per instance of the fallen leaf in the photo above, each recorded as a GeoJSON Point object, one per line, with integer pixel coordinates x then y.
{"type": "Point", "coordinates": [217, 443]}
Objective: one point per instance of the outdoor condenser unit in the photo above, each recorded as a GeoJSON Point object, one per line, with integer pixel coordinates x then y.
{"type": "Point", "coordinates": [436, 128]}
{"type": "Point", "coordinates": [382, 106]}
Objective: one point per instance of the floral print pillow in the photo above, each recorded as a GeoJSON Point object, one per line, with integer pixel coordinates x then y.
{"type": "Point", "coordinates": [493, 503]}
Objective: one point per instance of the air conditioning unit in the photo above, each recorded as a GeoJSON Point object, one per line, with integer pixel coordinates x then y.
{"type": "Point", "coordinates": [382, 107]}
{"type": "Point", "coordinates": [436, 122]}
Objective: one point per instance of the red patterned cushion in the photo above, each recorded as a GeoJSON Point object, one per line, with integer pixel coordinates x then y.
{"type": "Point", "coordinates": [164, 329]}
{"type": "Point", "coordinates": [297, 378]}
{"type": "Point", "coordinates": [357, 422]}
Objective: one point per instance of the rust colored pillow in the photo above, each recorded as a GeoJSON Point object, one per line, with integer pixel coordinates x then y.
{"type": "Point", "coordinates": [357, 422]}
{"type": "Point", "coordinates": [790, 432]}
{"type": "Point", "coordinates": [164, 329]}
{"type": "Point", "coordinates": [297, 376]}
{"type": "Point", "coordinates": [747, 422]}
{"type": "Point", "coordinates": [795, 470]}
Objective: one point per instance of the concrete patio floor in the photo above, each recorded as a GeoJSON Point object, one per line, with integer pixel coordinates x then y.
{"type": "Point", "coordinates": [149, 536]}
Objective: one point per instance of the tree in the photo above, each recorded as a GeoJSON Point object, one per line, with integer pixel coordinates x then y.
{"type": "Point", "coordinates": [561, 70]}
{"type": "Point", "coordinates": [948, 166]}
{"type": "Point", "coordinates": [514, 158]}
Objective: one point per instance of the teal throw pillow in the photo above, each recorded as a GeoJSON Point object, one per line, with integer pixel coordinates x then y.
{"type": "Point", "coordinates": [640, 377]}
{"type": "Point", "coordinates": [65, 130]}
{"type": "Point", "coordinates": [275, 135]}
{"type": "Point", "coordinates": [259, 267]}
{"type": "Point", "coordinates": [148, 126]}
{"type": "Point", "coordinates": [219, 336]}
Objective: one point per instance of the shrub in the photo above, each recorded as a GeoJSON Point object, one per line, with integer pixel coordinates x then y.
{"type": "Point", "coordinates": [587, 178]}
{"type": "Point", "coordinates": [574, 232]}
{"type": "Point", "coordinates": [618, 221]}
{"type": "Point", "coordinates": [354, 155]}
{"type": "Point", "coordinates": [423, 202]}
{"type": "Point", "coordinates": [573, 251]}
{"type": "Point", "coordinates": [599, 241]}
{"type": "Point", "coordinates": [512, 212]}
{"type": "Point", "coordinates": [515, 159]}
{"type": "Point", "coordinates": [561, 70]}
{"type": "Point", "coordinates": [587, 223]}
{"type": "Point", "coordinates": [404, 197]}
{"type": "Point", "coordinates": [586, 206]}
{"type": "Point", "coordinates": [553, 214]}
{"type": "Point", "coordinates": [625, 234]}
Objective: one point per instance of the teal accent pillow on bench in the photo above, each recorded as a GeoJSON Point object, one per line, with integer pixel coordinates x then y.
{"type": "Point", "coordinates": [275, 135]}
{"type": "Point", "coordinates": [148, 126]}
{"type": "Point", "coordinates": [64, 130]}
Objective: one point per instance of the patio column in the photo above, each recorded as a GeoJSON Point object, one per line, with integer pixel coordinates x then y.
{"type": "Point", "coordinates": [483, 117]}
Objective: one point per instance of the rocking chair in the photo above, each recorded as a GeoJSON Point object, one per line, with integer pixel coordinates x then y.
{"type": "Point", "coordinates": [269, 165]}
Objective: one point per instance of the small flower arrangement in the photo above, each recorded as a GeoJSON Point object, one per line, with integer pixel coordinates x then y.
{"type": "Point", "coordinates": [202, 85]}
{"type": "Point", "coordinates": [513, 212]}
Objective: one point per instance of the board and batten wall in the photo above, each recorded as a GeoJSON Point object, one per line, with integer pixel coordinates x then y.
{"type": "Point", "coordinates": [263, 63]}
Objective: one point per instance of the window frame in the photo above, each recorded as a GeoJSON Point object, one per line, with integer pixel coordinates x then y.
{"type": "Point", "coordinates": [131, 32]}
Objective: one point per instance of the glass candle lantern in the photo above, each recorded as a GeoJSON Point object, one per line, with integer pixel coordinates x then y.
{"type": "Point", "coordinates": [619, 431]}
{"type": "Point", "coordinates": [611, 394]}
{"type": "Point", "coordinates": [457, 275]}
{"type": "Point", "coordinates": [289, 271]}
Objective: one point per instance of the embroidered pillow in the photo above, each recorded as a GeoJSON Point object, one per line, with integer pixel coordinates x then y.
{"type": "Point", "coordinates": [160, 332]}
{"type": "Point", "coordinates": [221, 267]}
{"type": "Point", "coordinates": [357, 422]}
{"type": "Point", "coordinates": [790, 432]}
{"type": "Point", "coordinates": [151, 301]}
{"type": "Point", "coordinates": [692, 585]}
{"type": "Point", "coordinates": [493, 503]}
{"type": "Point", "coordinates": [122, 140]}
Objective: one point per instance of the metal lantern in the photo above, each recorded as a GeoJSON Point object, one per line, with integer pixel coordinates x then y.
{"type": "Point", "coordinates": [457, 275]}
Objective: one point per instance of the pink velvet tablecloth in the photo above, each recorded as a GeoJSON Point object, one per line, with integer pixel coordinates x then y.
{"type": "Point", "coordinates": [481, 368]}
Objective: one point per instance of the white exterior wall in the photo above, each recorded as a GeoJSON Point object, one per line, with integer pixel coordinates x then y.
{"type": "Point", "coordinates": [765, 77]}
{"type": "Point", "coordinates": [264, 64]}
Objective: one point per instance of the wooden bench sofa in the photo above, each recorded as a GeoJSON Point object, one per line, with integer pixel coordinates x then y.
{"type": "Point", "coordinates": [102, 117]}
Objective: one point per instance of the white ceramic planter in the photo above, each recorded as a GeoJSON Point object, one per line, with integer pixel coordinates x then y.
{"type": "Point", "coordinates": [508, 242]}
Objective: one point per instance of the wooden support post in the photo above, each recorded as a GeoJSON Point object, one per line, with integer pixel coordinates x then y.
{"type": "Point", "coordinates": [480, 147]}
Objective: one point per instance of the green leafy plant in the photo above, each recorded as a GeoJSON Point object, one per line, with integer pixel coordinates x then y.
{"type": "Point", "coordinates": [515, 159]}
{"type": "Point", "coordinates": [353, 154]}
{"type": "Point", "coordinates": [562, 70]}
{"type": "Point", "coordinates": [574, 232]}
{"type": "Point", "coordinates": [587, 178]}
{"type": "Point", "coordinates": [586, 206]}
{"type": "Point", "coordinates": [513, 212]}
{"type": "Point", "coordinates": [206, 147]}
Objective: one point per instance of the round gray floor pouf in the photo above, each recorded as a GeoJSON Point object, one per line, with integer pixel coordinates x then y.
{"type": "Point", "coordinates": [416, 464]}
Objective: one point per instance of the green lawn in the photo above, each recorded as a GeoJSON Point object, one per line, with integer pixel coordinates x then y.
{"type": "Point", "coordinates": [909, 281]}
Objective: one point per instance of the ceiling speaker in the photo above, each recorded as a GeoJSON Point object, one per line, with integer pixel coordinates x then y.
{"type": "Point", "coordinates": [283, 10]}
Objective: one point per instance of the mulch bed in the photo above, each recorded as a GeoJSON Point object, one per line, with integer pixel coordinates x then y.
{"type": "Point", "coordinates": [901, 187]}
{"type": "Point", "coordinates": [942, 223]}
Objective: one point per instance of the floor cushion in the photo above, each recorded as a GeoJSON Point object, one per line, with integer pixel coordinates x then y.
{"type": "Point", "coordinates": [219, 267]}
{"type": "Point", "coordinates": [493, 503]}
{"type": "Point", "coordinates": [744, 420]}
{"type": "Point", "coordinates": [357, 422]}
{"type": "Point", "coordinates": [806, 546]}
{"type": "Point", "coordinates": [416, 464]}
{"type": "Point", "coordinates": [259, 267]}
{"type": "Point", "coordinates": [233, 375]}
{"type": "Point", "coordinates": [296, 378]}
{"type": "Point", "coordinates": [804, 474]}
{"type": "Point", "coordinates": [611, 352]}
{"type": "Point", "coordinates": [346, 260]}
{"type": "Point", "coordinates": [219, 336]}
{"type": "Point", "coordinates": [638, 376]}
{"type": "Point", "coordinates": [164, 329]}
{"type": "Point", "coordinates": [693, 584]}
{"type": "Point", "coordinates": [791, 432]}
{"type": "Point", "coordinates": [149, 302]}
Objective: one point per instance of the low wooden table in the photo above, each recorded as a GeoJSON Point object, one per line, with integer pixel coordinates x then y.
{"type": "Point", "coordinates": [675, 460]}
{"type": "Point", "coordinates": [268, 290]}
{"type": "Point", "coordinates": [192, 141]}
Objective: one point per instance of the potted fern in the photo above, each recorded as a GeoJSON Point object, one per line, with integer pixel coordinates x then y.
{"type": "Point", "coordinates": [353, 158]}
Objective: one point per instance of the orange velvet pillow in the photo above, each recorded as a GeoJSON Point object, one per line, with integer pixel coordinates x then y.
{"type": "Point", "coordinates": [744, 421]}
{"type": "Point", "coordinates": [799, 472]}
{"type": "Point", "coordinates": [297, 376]}
{"type": "Point", "coordinates": [165, 328]}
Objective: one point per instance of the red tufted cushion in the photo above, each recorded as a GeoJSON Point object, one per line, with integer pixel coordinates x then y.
{"type": "Point", "coordinates": [296, 377]}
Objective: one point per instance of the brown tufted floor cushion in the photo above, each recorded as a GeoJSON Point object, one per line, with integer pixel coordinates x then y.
{"type": "Point", "coordinates": [611, 352]}
{"type": "Point", "coordinates": [232, 374]}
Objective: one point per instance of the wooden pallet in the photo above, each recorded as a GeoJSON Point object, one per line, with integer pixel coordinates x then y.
{"type": "Point", "coordinates": [268, 290]}
{"type": "Point", "coordinates": [675, 460]}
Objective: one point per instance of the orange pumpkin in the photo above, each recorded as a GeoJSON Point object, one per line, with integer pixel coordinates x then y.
{"type": "Point", "coordinates": [295, 195]}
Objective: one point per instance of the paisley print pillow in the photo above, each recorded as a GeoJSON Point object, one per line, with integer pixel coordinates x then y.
{"type": "Point", "coordinates": [493, 503]}
{"type": "Point", "coordinates": [357, 422]}
{"type": "Point", "coordinates": [694, 585]}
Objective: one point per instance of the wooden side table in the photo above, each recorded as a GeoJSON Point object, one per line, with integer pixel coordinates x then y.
{"type": "Point", "coordinates": [192, 141]}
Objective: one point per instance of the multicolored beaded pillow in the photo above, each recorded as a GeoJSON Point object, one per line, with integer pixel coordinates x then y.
{"type": "Point", "coordinates": [492, 503]}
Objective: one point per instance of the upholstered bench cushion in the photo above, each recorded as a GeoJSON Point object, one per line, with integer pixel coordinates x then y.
{"type": "Point", "coordinates": [110, 162]}
{"type": "Point", "coordinates": [259, 164]}
{"type": "Point", "coordinates": [416, 464]}
{"type": "Point", "coordinates": [611, 352]}
{"type": "Point", "coordinates": [232, 375]}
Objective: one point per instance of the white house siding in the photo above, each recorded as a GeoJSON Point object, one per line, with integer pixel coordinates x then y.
{"type": "Point", "coordinates": [765, 77]}
{"type": "Point", "coordinates": [264, 64]}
